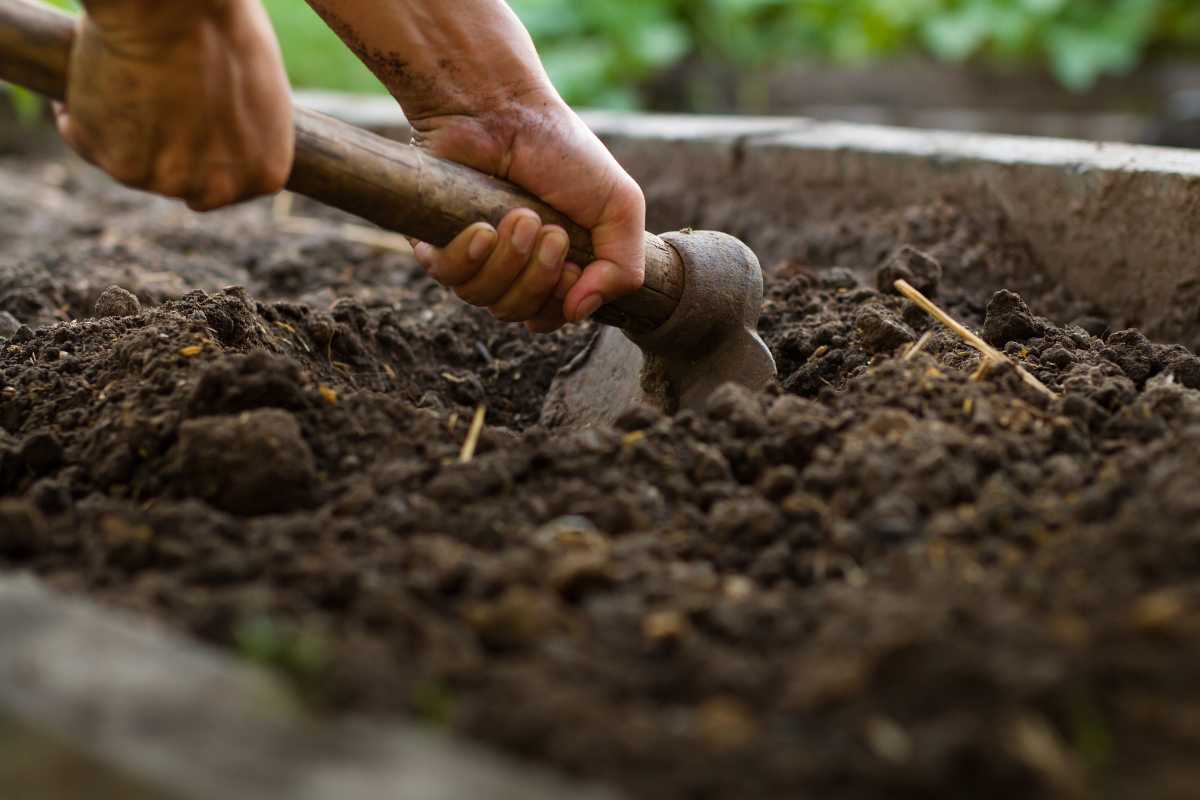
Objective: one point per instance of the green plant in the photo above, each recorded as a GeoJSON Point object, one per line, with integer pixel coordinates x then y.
{"type": "Point", "coordinates": [599, 52]}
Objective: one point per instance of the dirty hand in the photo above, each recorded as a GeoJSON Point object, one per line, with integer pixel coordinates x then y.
{"type": "Point", "coordinates": [188, 100]}
{"type": "Point", "coordinates": [471, 84]}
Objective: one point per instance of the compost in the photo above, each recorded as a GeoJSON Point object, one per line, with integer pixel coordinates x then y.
{"type": "Point", "coordinates": [892, 575]}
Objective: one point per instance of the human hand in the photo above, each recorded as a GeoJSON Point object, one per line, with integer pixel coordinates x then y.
{"type": "Point", "coordinates": [188, 100]}
{"type": "Point", "coordinates": [517, 270]}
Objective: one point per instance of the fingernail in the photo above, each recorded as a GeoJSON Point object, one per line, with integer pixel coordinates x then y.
{"type": "Point", "coordinates": [481, 244]}
{"type": "Point", "coordinates": [589, 306]}
{"type": "Point", "coordinates": [554, 247]}
{"type": "Point", "coordinates": [524, 233]}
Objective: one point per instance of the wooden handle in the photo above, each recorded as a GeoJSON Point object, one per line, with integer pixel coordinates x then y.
{"type": "Point", "coordinates": [397, 186]}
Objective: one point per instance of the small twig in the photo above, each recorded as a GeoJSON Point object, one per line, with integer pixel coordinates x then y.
{"type": "Point", "coordinates": [906, 289]}
{"type": "Point", "coordinates": [919, 346]}
{"type": "Point", "coordinates": [468, 450]}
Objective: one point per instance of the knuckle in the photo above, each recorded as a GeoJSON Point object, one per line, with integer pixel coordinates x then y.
{"type": "Point", "coordinates": [172, 183]}
{"type": "Point", "coordinates": [217, 191]}
{"type": "Point", "coordinates": [128, 170]}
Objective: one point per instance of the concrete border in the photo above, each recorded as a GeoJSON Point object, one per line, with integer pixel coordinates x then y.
{"type": "Point", "coordinates": [1118, 225]}
{"type": "Point", "coordinates": [199, 724]}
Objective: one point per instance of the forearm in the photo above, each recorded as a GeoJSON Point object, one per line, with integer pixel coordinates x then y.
{"type": "Point", "coordinates": [440, 57]}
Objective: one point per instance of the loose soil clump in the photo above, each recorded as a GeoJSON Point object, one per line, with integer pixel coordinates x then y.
{"type": "Point", "coordinates": [880, 578]}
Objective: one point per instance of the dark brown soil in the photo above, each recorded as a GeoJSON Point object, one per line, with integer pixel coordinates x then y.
{"type": "Point", "coordinates": [879, 579]}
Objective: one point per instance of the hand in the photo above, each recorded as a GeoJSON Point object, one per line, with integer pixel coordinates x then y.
{"type": "Point", "coordinates": [470, 81]}
{"type": "Point", "coordinates": [188, 100]}
{"type": "Point", "coordinates": [518, 270]}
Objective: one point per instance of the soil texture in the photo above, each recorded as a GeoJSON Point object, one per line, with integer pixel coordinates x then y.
{"type": "Point", "coordinates": [890, 575]}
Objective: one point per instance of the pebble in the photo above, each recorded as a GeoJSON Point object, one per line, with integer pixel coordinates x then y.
{"type": "Point", "coordinates": [117, 302]}
{"type": "Point", "coordinates": [9, 325]}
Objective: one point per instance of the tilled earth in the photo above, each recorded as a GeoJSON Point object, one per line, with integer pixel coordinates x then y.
{"type": "Point", "coordinates": [891, 575]}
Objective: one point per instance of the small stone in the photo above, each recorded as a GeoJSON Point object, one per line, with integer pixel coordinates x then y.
{"type": "Point", "coordinates": [117, 302]}
{"type": "Point", "coordinates": [1009, 320]}
{"type": "Point", "coordinates": [23, 334]}
{"type": "Point", "coordinates": [9, 325]}
{"type": "Point", "coordinates": [910, 264]}
{"type": "Point", "coordinates": [881, 331]}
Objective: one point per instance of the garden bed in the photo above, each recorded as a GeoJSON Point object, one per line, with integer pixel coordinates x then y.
{"type": "Point", "coordinates": [882, 577]}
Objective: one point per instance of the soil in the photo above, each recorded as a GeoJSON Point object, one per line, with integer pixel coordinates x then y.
{"type": "Point", "coordinates": [887, 576]}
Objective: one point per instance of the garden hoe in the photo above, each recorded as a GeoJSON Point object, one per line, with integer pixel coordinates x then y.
{"type": "Point", "coordinates": [689, 329]}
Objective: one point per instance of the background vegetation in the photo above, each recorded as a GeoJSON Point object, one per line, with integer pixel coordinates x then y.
{"type": "Point", "coordinates": [600, 51]}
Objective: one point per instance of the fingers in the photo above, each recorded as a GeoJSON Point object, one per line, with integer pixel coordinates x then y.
{"type": "Point", "coordinates": [537, 282]}
{"type": "Point", "coordinates": [518, 233]}
{"type": "Point", "coordinates": [175, 173]}
{"type": "Point", "coordinates": [513, 270]}
{"type": "Point", "coordinates": [461, 260]}
{"type": "Point", "coordinates": [551, 318]}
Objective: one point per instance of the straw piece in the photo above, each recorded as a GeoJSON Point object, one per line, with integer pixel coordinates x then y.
{"type": "Point", "coordinates": [906, 289]}
{"type": "Point", "coordinates": [468, 449]}
{"type": "Point", "coordinates": [919, 346]}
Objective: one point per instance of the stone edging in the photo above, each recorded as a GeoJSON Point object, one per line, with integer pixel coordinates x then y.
{"type": "Point", "coordinates": [200, 724]}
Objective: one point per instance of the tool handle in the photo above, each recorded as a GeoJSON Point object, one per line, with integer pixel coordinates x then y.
{"type": "Point", "coordinates": [397, 186]}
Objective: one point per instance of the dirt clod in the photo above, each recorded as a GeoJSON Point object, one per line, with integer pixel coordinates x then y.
{"type": "Point", "coordinates": [1009, 320]}
{"type": "Point", "coordinates": [117, 302]}
{"type": "Point", "coordinates": [920, 269]}
{"type": "Point", "coordinates": [254, 463]}
{"type": "Point", "coordinates": [880, 330]}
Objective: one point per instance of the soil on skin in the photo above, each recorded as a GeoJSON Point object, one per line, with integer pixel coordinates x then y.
{"type": "Point", "coordinates": [881, 578]}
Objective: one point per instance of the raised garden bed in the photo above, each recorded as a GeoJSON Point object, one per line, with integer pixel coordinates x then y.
{"type": "Point", "coordinates": [880, 578]}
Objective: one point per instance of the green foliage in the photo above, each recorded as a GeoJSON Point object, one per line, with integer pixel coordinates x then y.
{"type": "Point", "coordinates": [314, 56]}
{"type": "Point", "coordinates": [597, 50]}
{"type": "Point", "coordinates": [600, 51]}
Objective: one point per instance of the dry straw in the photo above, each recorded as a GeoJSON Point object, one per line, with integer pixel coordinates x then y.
{"type": "Point", "coordinates": [989, 352]}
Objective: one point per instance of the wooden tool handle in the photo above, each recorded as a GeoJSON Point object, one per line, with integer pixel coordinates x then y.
{"type": "Point", "coordinates": [396, 186]}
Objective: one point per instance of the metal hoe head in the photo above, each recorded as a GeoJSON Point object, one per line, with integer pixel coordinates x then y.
{"type": "Point", "coordinates": [710, 340]}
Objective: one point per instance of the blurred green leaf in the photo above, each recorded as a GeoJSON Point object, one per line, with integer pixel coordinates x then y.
{"type": "Point", "coordinates": [600, 52]}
